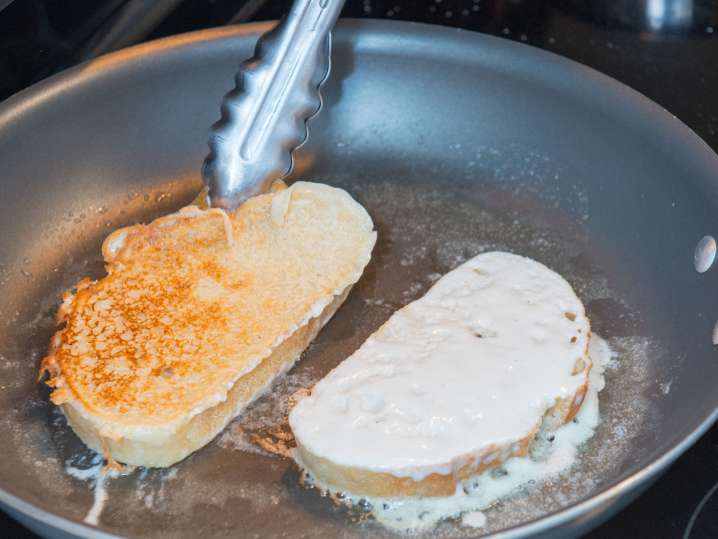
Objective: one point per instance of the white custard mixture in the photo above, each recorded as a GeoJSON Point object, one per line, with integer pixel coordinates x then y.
{"type": "Point", "coordinates": [476, 362]}
{"type": "Point", "coordinates": [552, 453]}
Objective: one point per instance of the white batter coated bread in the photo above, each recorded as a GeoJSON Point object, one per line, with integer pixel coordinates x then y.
{"type": "Point", "coordinates": [451, 385]}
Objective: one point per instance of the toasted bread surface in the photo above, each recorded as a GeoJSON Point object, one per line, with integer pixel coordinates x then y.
{"type": "Point", "coordinates": [203, 427]}
{"type": "Point", "coordinates": [451, 385]}
{"type": "Point", "coordinates": [192, 305]}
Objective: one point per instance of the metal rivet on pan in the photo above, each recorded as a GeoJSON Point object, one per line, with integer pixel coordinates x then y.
{"type": "Point", "coordinates": [705, 254]}
{"type": "Point", "coordinates": [715, 335]}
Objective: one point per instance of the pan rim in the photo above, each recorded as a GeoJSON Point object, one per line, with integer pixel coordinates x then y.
{"type": "Point", "coordinates": [14, 107]}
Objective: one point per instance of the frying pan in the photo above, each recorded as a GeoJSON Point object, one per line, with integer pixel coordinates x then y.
{"type": "Point", "coordinates": [456, 143]}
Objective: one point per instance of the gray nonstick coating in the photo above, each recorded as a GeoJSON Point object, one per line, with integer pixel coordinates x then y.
{"type": "Point", "coordinates": [456, 143]}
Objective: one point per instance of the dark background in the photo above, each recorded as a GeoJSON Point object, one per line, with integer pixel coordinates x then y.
{"type": "Point", "coordinates": [665, 49]}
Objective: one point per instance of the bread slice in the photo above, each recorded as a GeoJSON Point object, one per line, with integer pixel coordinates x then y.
{"type": "Point", "coordinates": [451, 385]}
{"type": "Point", "coordinates": [200, 310]}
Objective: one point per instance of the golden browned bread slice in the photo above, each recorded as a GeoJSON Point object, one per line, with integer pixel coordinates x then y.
{"type": "Point", "coordinates": [200, 310]}
{"type": "Point", "coordinates": [451, 385]}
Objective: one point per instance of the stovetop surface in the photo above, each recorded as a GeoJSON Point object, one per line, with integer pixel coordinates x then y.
{"type": "Point", "coordinates": [665, 49]}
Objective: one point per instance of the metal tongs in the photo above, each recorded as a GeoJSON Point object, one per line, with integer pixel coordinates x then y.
{"type": "Point", "coordinates": [264, 118]}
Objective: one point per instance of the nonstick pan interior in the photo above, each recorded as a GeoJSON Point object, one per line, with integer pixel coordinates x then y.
{"type": "Point", "coordinates": [456, 143]}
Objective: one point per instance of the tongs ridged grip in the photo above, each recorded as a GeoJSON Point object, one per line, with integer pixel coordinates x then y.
{"type": "Point", "coordinates": [264, 118]}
